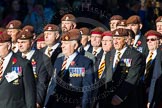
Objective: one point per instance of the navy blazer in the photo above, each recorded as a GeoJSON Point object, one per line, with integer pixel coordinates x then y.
{"type": "Point", "coordinates": [75, 82]}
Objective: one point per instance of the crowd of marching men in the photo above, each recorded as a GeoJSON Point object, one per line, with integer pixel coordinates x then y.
{"type": "Point", "coordinates": [75, 67]}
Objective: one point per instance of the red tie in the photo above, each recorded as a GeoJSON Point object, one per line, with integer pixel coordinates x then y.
{"type": "Point", "coordinates": [1, 67]}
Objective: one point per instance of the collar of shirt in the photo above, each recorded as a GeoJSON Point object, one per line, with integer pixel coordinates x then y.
{"type": "Point", "coordinates": [29, 54]}
{"type": "Point", "coordinates": [153, 56]}
{"type": "Point", "coordinates": [70, 59]}
{"type": "Point", "coordinates": [98, 50]}
{"type": "Point", "coordinates": [6, 60]}
{"type": "Point", "coordinates": [136, 38]}
{"type": "Point", "coordinates": [86, 47]}
{"type": "Point", "coordinates": [53, 48]}
{"type": "Point", "coordinates": [122, 52]}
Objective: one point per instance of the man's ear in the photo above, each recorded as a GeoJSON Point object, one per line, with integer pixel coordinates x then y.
{"type": "Point", "coordinates": [140, 26]}
{"type": "Point", "coordinates": [76, 46]}
{"type": "Point", "coordinates": [57, 35]}
{"type": "Point", "coordinates": [74, 25]}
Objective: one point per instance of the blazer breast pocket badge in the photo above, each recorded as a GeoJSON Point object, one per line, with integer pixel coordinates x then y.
{"type": "Point", "coordinates": [76, 71]}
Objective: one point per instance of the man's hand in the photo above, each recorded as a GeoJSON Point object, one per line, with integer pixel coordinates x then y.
{"type": "Point", "coordinates": [116, 100]}
{"type": "Point", "coordinates": [38, 106]}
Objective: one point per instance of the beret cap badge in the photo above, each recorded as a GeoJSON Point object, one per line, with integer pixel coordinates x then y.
{"type": "Point", "coordinates": [116, 33]}
{"type": "Point", "coordinates": [66, 37]}
{"type": "Point", "coordinates": [11, 26]}
{"type": "Point", "coordinates": [49, 28]}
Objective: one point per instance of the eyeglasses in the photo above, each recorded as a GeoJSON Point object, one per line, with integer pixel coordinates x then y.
{"type": "Point", "coordinates": [152, 39]}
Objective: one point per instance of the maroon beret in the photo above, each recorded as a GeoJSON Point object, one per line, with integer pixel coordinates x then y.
{"type": "Point", "coordinates": [14, 24]}
{"type": "Point", "coordinates": [68, 17]}
{"type": "Point", "coordinates": [120, 32]}
{"type": "Point", "coordinates": [135, 19]}
{"type": "Point", "coordinates": [73, 34]}
{"type": "Point", "coordinates": [4, 37]}
{"type": "Point", "coordinates": [51, 27]}
{"type": "Point", "coordinates": [152, 33]}
{"type": "Point", "coordinates": [24, 35]}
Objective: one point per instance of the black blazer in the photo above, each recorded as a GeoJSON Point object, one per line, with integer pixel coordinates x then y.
{"type": "Point", "coordinates": [54, 55]}
{"type": "Point", "coordinates": [20, 93]}
{"type": "Point", "coordinates": [123, 80]}
{"type": "Point", "coordinates": [43, 71]}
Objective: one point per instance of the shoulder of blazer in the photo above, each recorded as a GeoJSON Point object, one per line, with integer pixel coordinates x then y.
{"type": "Point", "coordinates": [43, 49]}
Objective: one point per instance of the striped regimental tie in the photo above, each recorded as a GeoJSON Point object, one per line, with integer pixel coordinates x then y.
{"type": "Point", "coordinates": [101, 69]}
{"type": "Point", "coordinates": [1, 67]}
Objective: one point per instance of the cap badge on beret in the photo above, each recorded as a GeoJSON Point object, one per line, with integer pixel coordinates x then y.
{"type": "Point", "coordinates": [26, 30]}
{"type": "Point", "coordinates": [81, 32]}
{"type": "Point", "coordinates": [66, 37]}
{"type": "Point", "coordinates": [161, 19]}
{"type": "Point", "coordinates": [23, 36]}
{"type": "Point", "coordinates": [67, 18]}
{"type": "Point", "coordinates": [11, 26]}
{"type": "Point", "coordinates": [116, 33]}
{"type": "Point", "coordinates": [49, 28]}
{"type": "Point", "coordinates": [122, 23]}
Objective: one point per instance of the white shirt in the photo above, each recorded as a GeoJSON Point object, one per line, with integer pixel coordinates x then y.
{"type": "Point", "coordinates": [53, 49]}
{"type": "Point", "coordinates": [136, 39]}
{"type": "Point", "coordinates": [86, 47]}
{"type": "Point", "coordinates": [70, 59]}
{"type": "Point", "coordinates": [6, 61]}
{"type": "Point", "coordinates": [98, 50]}
{"type": "Point", "coordinates": [115, 58]}
{"type": "Point", "coordinates": [29, 54]}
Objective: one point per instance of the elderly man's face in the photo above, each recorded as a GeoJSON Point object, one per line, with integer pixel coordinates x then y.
{"type": "Point", "coordinates": [41, 44]}
{"type": "Point", "coordinates": [159, 27]}
{"type": "Point", "coordinates": [113, 24]}
{"type": "Point", "coordinates": [152, 42]}
{"type": "Point", "coordinates": [50, 37]}
{"type": "Point", "coordinates": [67, 26]}
{"type": "Point", "coordinates": [107, 43]}
{"type": "Point", "coordinates": [119, 42]}
{"type": "Point", "coordinates": [12, 33]}
{"type": "Point", "coordinates": [96, 40]}
{"type": "Point", "coordinates": [68, 47]}
{"type": "Point", "coordinates": [84, 40]}
{"type": "Point", "coordinates": [4, 49]}
{"type": "Point", "coordinates": [135, 27]}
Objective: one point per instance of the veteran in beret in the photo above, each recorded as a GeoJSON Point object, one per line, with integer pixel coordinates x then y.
{"type": "Point", "coordinates": [40, 42]}
{"type": "Point", "coordinates": [17, 82]}
{"type": "Point", "coordinates": [134, 23]}
{"type": "Point", "coordinates": [123, 67]}
{"type": "Point", "coordinates": [41, 65]}
{"type": "Point", "coordinates": [13, 28]}
{"type": "Point", "coordinates": [113, 21]}
{"type": "Point", "coordinates": [68, 22]}
{"type": "Point", "coordinates": [51, 37]}
{"type": "Point", "coordinates": [153, 66]}
{"type": "Point", "coordinates": [159, 26]}
{"type": "Point", "coordinates": [85, 33]}
{"type": "Point", "coordinates": [73, 76]}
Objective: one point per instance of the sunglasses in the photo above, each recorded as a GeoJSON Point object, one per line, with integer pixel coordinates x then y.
{"type": "Point", "coordinates": [152, 39]}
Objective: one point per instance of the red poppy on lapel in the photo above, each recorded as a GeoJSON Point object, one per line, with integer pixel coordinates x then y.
{"type": "Point", "coordinates": [33, 62]}
{"type": "Point", "coordinates": [72, 63]}
{"type": "Point", "coordinates": [14, 60]}
{"type": "Point", "coordinates": [138, 43]}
